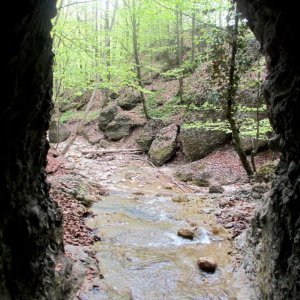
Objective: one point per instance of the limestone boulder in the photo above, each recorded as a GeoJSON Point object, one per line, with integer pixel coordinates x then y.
{"type": "Point", "coordinates": [164, 145]}
{"type": "Point", "coordinates": [129, 101]}
{"type": "Point", "coordinates": [119, 128]}
{"type": "Point", "coordinates": [58, 132]}
{"type": "Point", "coordinates": [148, 134]}
{"type": "Point", "coordinates": [123, 124]}
{"type": "Point", "coordinates": [199, 142]}
{"type": "Point", "coordinates": [107, 115]}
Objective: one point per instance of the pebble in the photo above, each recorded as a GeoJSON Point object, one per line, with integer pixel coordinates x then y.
{"type": "Point", "coordinates": [218, 189]}
{"type": "Point", "coordinates": [256, 195]}
{"type": "Point", "coordinates": [207, 264]}
{"type": "Point", "coordinates": [229, 225]}
{"type": "Point", "coordinates": [186, 234]}
{"type": "Point", "coordinates": [215, 230]}
{"type": "Point", "coordinates": [69, 166]}
{"type": "Point", "coordinates": [207, 210]}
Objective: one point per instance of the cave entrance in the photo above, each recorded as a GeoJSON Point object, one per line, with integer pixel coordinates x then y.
{"type": "Point", "coordinates": [30, 224]}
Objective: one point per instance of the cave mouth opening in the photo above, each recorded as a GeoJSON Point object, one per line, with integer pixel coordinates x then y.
{"type": "Point", "coordinates": [30, 224]}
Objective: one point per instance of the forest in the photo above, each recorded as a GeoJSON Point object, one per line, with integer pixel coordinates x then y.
{"type": "Point", "coordinates": [158, 108]}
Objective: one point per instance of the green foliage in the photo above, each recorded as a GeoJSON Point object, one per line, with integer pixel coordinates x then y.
{"type": "Point", "coordinates": [248, 127]}
{"type": "Point", "coordinates": [169, 109]}
{"type": "Point", "coordinates": [78, 115]}
{"type": "Point", "coordinates": [210, 106]}
{"type": "Point", "coordinates": [209, 125]}
{"type": "Point", "coordinates": [244, 108]}
{"type": "Point", "coordinates": [83, 56]}
{"type": "Point", "coordinates": [175, 73]}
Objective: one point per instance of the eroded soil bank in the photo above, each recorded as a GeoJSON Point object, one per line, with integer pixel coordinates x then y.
{"type": "Point", "coordinates": [125, 245]}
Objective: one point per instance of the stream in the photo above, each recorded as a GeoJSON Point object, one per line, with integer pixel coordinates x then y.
{"type": "Point", "coordinates": [140, 255]}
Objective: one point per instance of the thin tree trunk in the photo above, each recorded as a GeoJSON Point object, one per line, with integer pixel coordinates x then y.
{"type": "Point", "coordinates": [231, 93]}
{"type": "Point", "coordinates": [179, 40]}
{"type": "Point", "coordinates": [193, 37]}
{"type": "Point", "coordinates": [108, 27]}
{"type": "Point", "coordinates": [178, 60]}
{"type": "Point", "coordinates": [137, 59]}
{"type": "Point", "coordinates": [255, 150]}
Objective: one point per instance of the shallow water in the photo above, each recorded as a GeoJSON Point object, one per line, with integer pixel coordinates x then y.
{"type": "Point", "coordinates": [140, 255]}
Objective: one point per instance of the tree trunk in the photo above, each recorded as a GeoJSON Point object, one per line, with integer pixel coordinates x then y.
{"type": "Point", "coordinates": [179, 39]}
{"type": "Point", "coordinates": [137, 59]}
{"type": "Point", "coordinates": [231, 93]}
{"type": "Point", "coordinates": [193, 37]}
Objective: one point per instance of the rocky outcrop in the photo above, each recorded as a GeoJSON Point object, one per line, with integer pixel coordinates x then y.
{"type": "Point", "coordinates": [30, 223]}
{"type": "Point", "coordinates": [129, 101]}
{"type": "Point", "coordinates": [275, 234]}
{"type": "Point", "coordinates": [119, 128]}
{"type": "Point", "coordinates": [164, 146]}
{"type": "Point", "coordinates": [117, 123]}
{"type": "Point", "coordinates": [148, 134]}
{"type": "Point", "coordinates": [58, 132]}
{"type": "Point", "coordinates": [107, 114]}
{"type": "Point", "coordinates": [199, 142]}
{"type": "Point", "coordinates": [123, 125]}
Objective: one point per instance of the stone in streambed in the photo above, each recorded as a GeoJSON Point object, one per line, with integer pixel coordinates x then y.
{"type": "Point", "coordinates": [186, 234]}
{"type": "Point", "coordinates": [180, 199]}
{"type": "Point", "coordinates": [207, 264]}
{"type": "Point", "coordinates": [216, 189]}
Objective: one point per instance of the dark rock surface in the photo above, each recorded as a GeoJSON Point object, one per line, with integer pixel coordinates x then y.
{"type": "Point", "coordinates": [275, 234]}
{"type": "Point", "coordinates": [30, 223]}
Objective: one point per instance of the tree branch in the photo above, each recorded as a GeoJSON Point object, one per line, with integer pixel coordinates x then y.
{"type": "Point", "coordinates": [189, 16]}
{"type": "Point", "coordinates": [75, 3]}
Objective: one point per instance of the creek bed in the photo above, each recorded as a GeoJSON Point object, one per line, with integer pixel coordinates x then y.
{"type": "Point", "coordinates": [140, 255]}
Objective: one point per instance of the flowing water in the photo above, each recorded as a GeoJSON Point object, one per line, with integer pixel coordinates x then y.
{"type": "Point", "coordinates": [140, 255]}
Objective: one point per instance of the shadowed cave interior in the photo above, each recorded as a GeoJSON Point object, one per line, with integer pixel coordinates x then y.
{"type": "Point", "coordinates": [30, 224]}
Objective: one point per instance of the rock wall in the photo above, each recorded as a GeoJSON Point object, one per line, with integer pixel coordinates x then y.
{"type": "Point", "coordinates": [275, 234]}
{"type": "Point", "coordinates": [29, 221]}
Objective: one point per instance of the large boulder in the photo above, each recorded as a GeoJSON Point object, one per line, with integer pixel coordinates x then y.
{"type": "Point", "coordinates": [199, 142]}
{"type": "Point", "coordinates": [119, 128]}
{"type": "Point", "coordinates": [130, 100]}
{"type": "Point", "coordinates": [164, 145]}
{"type": "Point", "coordinates": [148, 134]}
{"type": "Point", "coordinates": [107, 114]}
{"type": "Point", "coordinates": [58, 132]}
